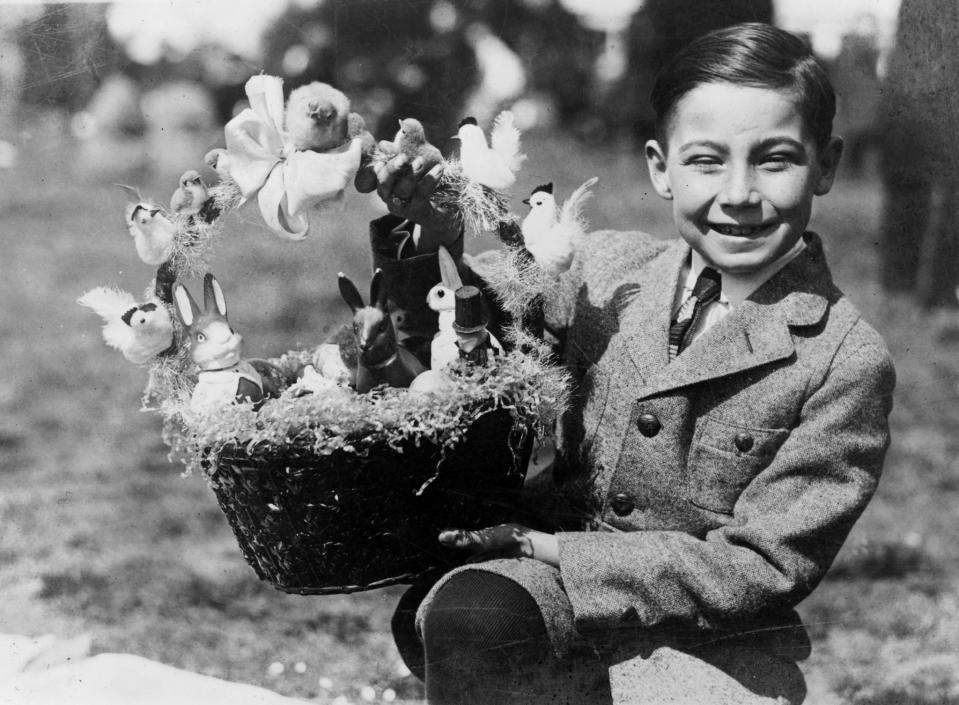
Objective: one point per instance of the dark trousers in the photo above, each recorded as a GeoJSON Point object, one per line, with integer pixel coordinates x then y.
{"type": "Point", "coordinates": [484, 641]}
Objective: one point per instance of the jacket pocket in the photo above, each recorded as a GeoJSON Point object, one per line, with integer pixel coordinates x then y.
{"type": "Point", "coordinates": [724, 458]}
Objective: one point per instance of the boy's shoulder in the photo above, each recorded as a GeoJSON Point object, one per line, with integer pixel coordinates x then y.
{"type": "Point", "coordinates": [832, 320]}
{"type": "Point", "coordinates": [618, 250]}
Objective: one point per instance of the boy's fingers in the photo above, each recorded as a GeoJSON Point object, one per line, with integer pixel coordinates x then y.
{"type": "Point", "coordinates": [387, 173]}
{"type": "Point", "coordinates": [460, 538]}
{"type": "Point", "coordinates": [488, 539]}
{"type": "Point", "coordinates": [405, 185]}
{"type": "Point", "coordinates": [426, 185]}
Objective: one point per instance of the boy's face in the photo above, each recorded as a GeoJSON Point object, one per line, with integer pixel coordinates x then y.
{"type": "Point", "coordinates": [741, 169]}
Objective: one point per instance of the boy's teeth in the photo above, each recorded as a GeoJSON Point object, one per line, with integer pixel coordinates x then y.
{"type": "Point", "coordinates": [740, 230]}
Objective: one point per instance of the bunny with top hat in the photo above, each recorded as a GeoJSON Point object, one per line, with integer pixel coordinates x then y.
{"type": "Point", "coordinates": [472, 338]}
{"type": "Point", "coordinates": [223, 376]}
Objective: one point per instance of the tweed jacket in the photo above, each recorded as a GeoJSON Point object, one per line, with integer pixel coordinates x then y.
{"type": "Point", "coordinates": [712, 491]}
{"type": "Point", "coordinates": [720, 485]}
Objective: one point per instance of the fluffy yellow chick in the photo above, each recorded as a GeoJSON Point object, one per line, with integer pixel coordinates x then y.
{"type": "Point", "coordinates": [317, 117]}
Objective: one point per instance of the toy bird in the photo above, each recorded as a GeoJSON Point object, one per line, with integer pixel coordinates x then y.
{"type": "Point", "coordinates": [495, 164]}
{"type": "Point", "coordinates": [151, 230]}
{"type": "Point", "coordinates": [411, 140]}
{"type": "Point", "coordinates": [219, 161]}
{"type": "Point", "coordinates": [139, 331]}
{"type": "Point", "coordinates": [189, 198]}
{"type": "Point", "coordinates": [549, 232]}
{"type": "Point", "coordinates": [317, 116]}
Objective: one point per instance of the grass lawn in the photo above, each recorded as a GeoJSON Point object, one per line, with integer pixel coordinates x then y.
{"type": "Point", "coordinates": [99, 534]}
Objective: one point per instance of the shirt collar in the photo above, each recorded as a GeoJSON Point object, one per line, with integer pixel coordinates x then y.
{"type": "Point", "coordinates": [736, 288]}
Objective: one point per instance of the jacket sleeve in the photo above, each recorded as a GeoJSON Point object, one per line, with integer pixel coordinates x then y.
{"type": "Point", "coordinates": [787, 525]}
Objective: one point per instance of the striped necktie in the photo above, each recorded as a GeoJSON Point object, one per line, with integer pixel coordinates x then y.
{"type": "Point", "coordinates": [705, 291]}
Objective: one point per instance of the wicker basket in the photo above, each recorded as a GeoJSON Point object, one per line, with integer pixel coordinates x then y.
{"type": "Point", "coordinates": [342, 523]}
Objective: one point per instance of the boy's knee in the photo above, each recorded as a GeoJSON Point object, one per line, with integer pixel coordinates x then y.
{"type": "Point", "coordinates": [483, 614]}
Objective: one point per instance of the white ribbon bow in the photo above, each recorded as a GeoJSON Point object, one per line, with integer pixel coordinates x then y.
{"type": "Point", "coordinates": [287, 182]}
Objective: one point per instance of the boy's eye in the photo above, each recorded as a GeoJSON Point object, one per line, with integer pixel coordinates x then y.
{"type": "Point", "coordinates": [778, 161]}
{"type": "Point", "coordinates": [703, 163]}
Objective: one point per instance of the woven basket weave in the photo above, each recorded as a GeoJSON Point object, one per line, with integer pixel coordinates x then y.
{"type": "Point", "coordinates": [341, 523]}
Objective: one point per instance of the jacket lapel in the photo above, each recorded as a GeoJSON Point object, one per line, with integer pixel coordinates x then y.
{"type": "Point", "coordinates": [756, 333]}
{"type": "Point", "coordinates": [644, 323]}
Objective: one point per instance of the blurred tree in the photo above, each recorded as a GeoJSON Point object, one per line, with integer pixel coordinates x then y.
{"type": "Point", "coordinates": [394, 59]}
{"type": "Point", "coordinates": [920, 154]}
{"type": "Point", "coordinates": [66, 53]}
{"type": "Point", "coordinates": [855, 78]}
{"type": "Point", "coordinates": [558, 52]}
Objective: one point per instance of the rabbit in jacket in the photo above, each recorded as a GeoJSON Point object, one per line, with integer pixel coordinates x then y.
{"type": "Point", "coordinates": [224, 377]}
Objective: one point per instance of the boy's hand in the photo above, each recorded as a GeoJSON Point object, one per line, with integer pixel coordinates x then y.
{"type": "Point", "coordinates": [406, 188]}
{"type": "Point", "coordinates": [505, 541]}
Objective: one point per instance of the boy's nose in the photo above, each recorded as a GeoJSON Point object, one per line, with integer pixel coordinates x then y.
{"type": "Point", "coordinates": [738, 190]}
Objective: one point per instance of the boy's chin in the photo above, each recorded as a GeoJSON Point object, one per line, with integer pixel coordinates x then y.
{"type": "Point", "coordinates": [740, 255]}
{"type": "Point", "coordinates": [741, 262]}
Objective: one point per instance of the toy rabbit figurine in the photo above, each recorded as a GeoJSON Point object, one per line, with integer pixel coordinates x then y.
{"type": "Point", "coordinates": [215, 349]}
{"type": "Point", "coordinates": [442, 299]}
{"type": "Point", "coordinates": [380, 357]}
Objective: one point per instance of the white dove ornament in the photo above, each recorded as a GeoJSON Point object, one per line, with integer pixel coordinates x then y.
{"type": "Point", "coordinates": [494, 164]}
{"type": "Point", "coordinates": [549, 233]}
{"type": "Point", "coordinates": [139, 331]}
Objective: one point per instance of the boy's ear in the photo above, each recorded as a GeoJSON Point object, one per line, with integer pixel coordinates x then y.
{"type": "Point", "coordinates": [656, 162]}
{"type": "Point", "coordinates": [828, 157]}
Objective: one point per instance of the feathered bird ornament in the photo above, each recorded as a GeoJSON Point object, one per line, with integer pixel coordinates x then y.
{"type": "Point", "coordinates": [139, 331]}
{"type": "Point", "coordinates": [494, 164]}
{"type": "Point", "coordinates": [190, 195]}
{"type": "Point", "coordinates": [219, 160]}
{"type": "Point", "coordinates": [317, 117]}
{"type": "Point", "coordinates": [411, 140]}
{"type": "Point", "coordinates": [152, 232]}
{"type": "Point", "coordinates": [549, 232]}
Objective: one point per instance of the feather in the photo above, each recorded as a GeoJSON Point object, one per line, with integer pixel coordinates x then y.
{"type": "Point", "coordinates": [505, 140]}
{"type": "Point", "coordinates": [110, 304]}
{"type": "Point", "coordinates": [572, 211]}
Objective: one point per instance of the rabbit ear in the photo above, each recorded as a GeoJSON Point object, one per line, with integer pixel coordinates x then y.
{"type": "Point", "coordinates": [448, 272]}
{"type": "Point", "coordinates": [186, 308]}
{"type": "Point", "coordinates": [378, 291]}
{"type": "Point", "coordinates": [349, 292]}
{"type": "Point", "coordinates": [213, 295]}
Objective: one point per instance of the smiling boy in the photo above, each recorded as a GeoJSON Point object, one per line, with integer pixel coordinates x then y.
{"type": "Point", "coordinates": [728, 423]}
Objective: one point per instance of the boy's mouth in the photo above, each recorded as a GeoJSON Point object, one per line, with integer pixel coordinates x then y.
{"type": "Point", "coordinates": [740, 230]}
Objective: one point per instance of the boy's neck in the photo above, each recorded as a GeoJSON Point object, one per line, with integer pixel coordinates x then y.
{"type": "Point", "coordinates": [737, 286]}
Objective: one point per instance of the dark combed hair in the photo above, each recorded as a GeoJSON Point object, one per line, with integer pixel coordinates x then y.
{"type": "Point", "coordinates": [748, 54]}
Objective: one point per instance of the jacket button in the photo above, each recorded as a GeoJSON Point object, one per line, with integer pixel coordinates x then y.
{"type": "Point", "coordinates": [622, 504]}
{"type": "Point", "coordinates": [744, 442]}
{"type": "Point", "coordinates": [648, 425]}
